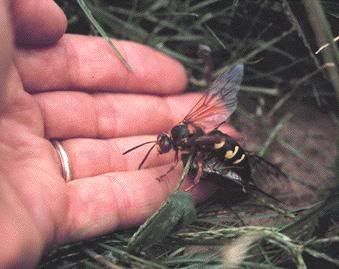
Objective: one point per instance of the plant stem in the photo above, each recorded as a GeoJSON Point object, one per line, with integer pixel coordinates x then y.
{"type": "Point", "coordinates": [322, 32]}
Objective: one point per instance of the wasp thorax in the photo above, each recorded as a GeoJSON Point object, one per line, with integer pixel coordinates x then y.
{"type": "Point", "coordinates": [179, 133]}
{"type": "Point", "coordinates": [164, 142]}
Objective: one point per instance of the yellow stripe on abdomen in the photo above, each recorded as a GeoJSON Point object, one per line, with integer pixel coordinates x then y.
{"type": "Point", "coordinates": [239, 160]}
{"type": "Point", "coordinates": [219, 145]}
{"type": "Point", "coordinates": [231, 153]}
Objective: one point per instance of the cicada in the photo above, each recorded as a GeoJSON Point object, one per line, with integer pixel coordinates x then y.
{"type": "Point", "coordinates": [213, 151]}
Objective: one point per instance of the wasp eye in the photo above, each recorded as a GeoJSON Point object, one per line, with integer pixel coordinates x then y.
{"type": "Point", "coordinates": [165, 143]}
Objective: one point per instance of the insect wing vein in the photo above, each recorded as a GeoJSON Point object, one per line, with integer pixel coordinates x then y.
{"type": "Point", "coordinates": [219, 102]}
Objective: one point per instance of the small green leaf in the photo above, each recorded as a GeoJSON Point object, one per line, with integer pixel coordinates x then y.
{"type": "Point", "coordinates": [176, 212]}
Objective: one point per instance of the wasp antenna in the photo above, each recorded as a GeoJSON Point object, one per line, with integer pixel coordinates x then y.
{"type": "Point", "coordinates": [146, 156]}
{"type": "Point", "coordinates": [138, 146]}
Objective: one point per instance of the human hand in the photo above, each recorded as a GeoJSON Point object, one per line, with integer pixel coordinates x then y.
{"type": "Point", "coordinates": [68, 91]}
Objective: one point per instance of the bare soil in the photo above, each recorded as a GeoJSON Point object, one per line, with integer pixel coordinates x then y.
{"type": "Point", "coordinates": [312, 135]}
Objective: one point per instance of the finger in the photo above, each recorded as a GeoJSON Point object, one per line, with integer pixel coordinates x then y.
{"type": "Point", "coordinates": [6, 51]}
{"type": "Point", "coordinates": [89, 63]}
{"type": "Point", "coordinates": [74, 114]}
{"type": "Point", "coordinates": [119, 200]}
{"type": "Point", "coordinates": [37, 22]}
{"type": "Point", "coordinates": [91, 157]}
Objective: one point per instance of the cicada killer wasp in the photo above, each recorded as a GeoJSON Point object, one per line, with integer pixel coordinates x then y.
{"type": "Point", "coordinates": [198, 135]}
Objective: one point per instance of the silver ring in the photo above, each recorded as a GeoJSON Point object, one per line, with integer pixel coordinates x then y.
{"type": "Point", "coordinates": [64, 160]}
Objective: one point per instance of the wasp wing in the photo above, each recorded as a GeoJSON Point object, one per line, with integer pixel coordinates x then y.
{"type": "Point", "coordinates": [219, 102]}
{"type": "Point", "coordinates": [260, 164]}
{"type": "Point", "coordinates": [268, 176]}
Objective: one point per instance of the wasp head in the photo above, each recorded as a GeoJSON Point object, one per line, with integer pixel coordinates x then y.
{"type": "Point", "coordinates": [164, 143]}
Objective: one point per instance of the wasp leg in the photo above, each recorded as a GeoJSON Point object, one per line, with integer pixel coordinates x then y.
{"type": "Point", "coordinates": [168, 171]}
{"type": "Point", "coordinates": [176, 157]}
{"type": "Point", "coordinates": [197, 177]}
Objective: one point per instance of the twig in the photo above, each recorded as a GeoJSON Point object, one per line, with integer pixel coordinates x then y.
{"type": "Point", "coordinates": [333, 239]}
{"type": "Point", "coordinates": [321, 255]}
{"type": "Point", "coordinates": [97, 26]}
{"type": "Point", "coordinates": [274, 133]}
{"type": "Point", "coordinates": [127, 256]}
{"type": "Point", "coordinates": [295, 23]}
{"type": "Point", "coordinates": [296, 86]}
{"type": "Point", "coordinates": [185, 172]}
{"type": "Point", "coordinates": [101, 259]}
{"type": "Point", "coordinates": [323, 35]}
{"type": "Point", "coordinates": [256, 51]}
{"type": "Point", "coordinates": [260, 90]}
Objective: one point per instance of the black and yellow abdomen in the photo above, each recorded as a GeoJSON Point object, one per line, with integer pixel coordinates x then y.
{"type": "Point", "coordinates": [231, 154]}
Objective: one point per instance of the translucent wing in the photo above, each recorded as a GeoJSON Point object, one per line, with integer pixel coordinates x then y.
{"type": "Point", "coordinates": [268, 176]}
{"type": "Point", "coordinates": [219, 102]}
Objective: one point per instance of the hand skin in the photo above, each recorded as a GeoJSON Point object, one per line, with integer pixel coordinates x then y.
{"type": "Point", "coordinates": [73, 88]}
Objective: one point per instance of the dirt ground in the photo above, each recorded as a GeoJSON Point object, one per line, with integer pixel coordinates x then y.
{"type": "Point", "coordinates": [307, 153]}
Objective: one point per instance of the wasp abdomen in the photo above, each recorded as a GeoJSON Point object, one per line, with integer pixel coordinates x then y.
{"type": "Point", "coordinates": [234, 154]}
{"type": "Point", "coordinates": [227, 149]}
